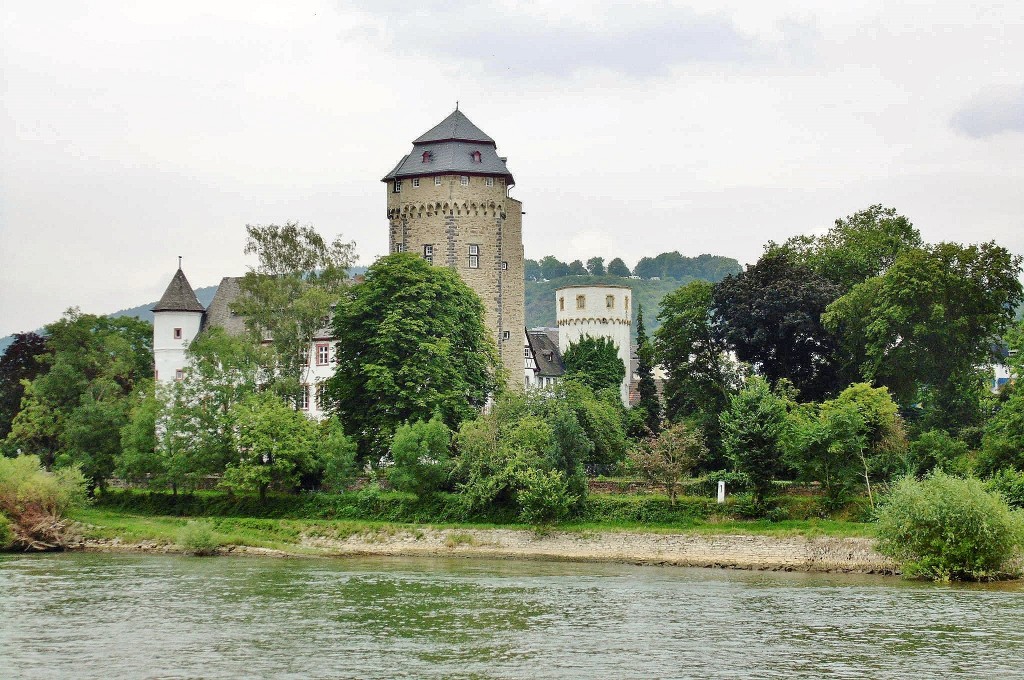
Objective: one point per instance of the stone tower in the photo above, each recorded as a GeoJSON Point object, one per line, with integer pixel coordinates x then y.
{"type": "Point", "coordinates": [177, 318]}
{"type": "Point", "coordinates": [448, 201]}
{"type": "Point", "coordinates": [601, 312]}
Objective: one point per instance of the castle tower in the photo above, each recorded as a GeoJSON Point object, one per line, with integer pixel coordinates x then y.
{"type": "Point", "coordinates": [600, 312]}
{"type": "Point", "coordinates": [448, 201]}
{"type": "Point", "coordinates": [177, 318]}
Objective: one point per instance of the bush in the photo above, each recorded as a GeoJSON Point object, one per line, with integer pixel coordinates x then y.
{"type": "Point", "coordinates": [6, 534]}
{"type": "Point", "coordinates": [543, 496]}
{"type": "Point", "coordinates": [420, 454]}
{"type": "Point", "coordinates": [197, 539]}
{"type": "Point", "coordinates": [945, 528]}
{"type": "Point", "coordinates": [1008, 483]}
{"type": "Point", "coordinates": [937, 449]}
{"type": "Point", "coordinates": [35, 501]}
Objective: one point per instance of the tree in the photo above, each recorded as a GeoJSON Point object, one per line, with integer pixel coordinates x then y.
{"type": "Point", "coordinates": [532, 270]}
{"type": "Point", "coordinates": [595, 266]}
{"type": "Point", "coordinates": [553, 268]}
{"type": "Point", "coordinates": [275, 445]}
{"type": "Point", "coordinates": [21, 361]}
{"type": "Point", "coordinates": [576, 268]}
{"type": "Point", "coordinates": [671, 456]}
{"type": "Point", "coordinates": [649, 401]}
{"type": "Point", "coordinates": [753, 429]}
{"type": "Point", "coordinates": [921, 327]}
{"type": "Point", "coordinates": [595, 362]}
{"type": "Point", "coordinates": [618, 268]}
{"type": "Point", "coordinates": [700, 376]}
{"type": "Point", "coordinates": [411, 342]}
{"type": "Point", "coordinates": [420, 456]}
{"type": "Point", "coordinates": [288, 296]}
{"type": "Point", "coordinates": [771, 316]}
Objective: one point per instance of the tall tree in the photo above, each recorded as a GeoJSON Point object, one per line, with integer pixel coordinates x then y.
{"type": "Point", "coordinates": [288, 295]}
{"type": "Point", "coordinates": [411, 342]}
{"type": "Point", "coordinates": [21, 361]}
{"type": "Point", "coordinates": [922, 326]}
{"type": "Point", "coordinates": [532, 270]}
{"type": "Point", "coordinates": [771, 316]}
{"type": "Point", "coordinates": [576, 268]}
{"type": "Point", "coordinates": [595, 362]}
{"type": "Point", "coordinates": [595, 266]}
{"type": "Point", "coordinates": [649, 401]}
{"type": "Point", "coordinates": [753, 432]}
{"type": "Point", "coordinates": [618, 268]}
{"type": "Point", "coordinates": [553, 268]}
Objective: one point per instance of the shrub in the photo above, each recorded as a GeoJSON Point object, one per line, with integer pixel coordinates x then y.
{"type": "Point", "coordinates": [197, 539]}
{"type": "Point", "coordinates": [6, 534]}
{"type": "Point", "coordinates": [421, 458]}
{"type": "Point", "coordinates": [670, 456]}
{"type": "Point", "coordinates": [543, 496]}
{"type": "Point", "coordinates": [1008, 483]}
{"type": "Point", "coordinates": [937, 449]}
{"type": "Point", "coordinates": [35, 501]}
{"type": "Point", "coordinates": [946, 528]}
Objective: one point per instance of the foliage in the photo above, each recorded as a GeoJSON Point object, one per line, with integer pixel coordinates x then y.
{"type": "Point", "coordinates": [197, 539]}
{"type": "Point", "coordinates": [599, 414]}
{"type": "Point", "coordinates": [420, 456]}
{"type": "Point", "coordinates": [34, 500]}
{"type": "Point", "coordinates": [553, 268]}
{"type": "Point", "coordinates": [595, 266]}
{"type": "Point", "coordinates": [937, 450]}
{"type": "Point", "coordinates": [595, 362]}
{"type": "Point", "coordinates": [543, 496]}
{"type": "Point", "coordinates": [336, 456]}
{"type": "Point", "coordinates": [532, 270]}
{"type": "Point", "coordinates": [576, 268]}
{"type": "Point", "coordinates": [411, 343]}
{"type": "Point", "coordinates": [1002, 444]}
{"type": "Point", "coordinates": [649, 403]}
{"type": "Point", "coordinates": [924, 324]}
{"type": "Point", "coordinates": [21, 361]}
{"type": "Point", "coordinates": [73, 411]}
{"type": "Point", "coordinates": [1009, 484]}
{"type": "Point", "coordinates": [671, 456]}
{"type": "Point", "coordinates": [289, 294]}
{"type": "Point", "coordinates": [945, 528]}
{"type": "Point", "coordinates": [618, 268]}
{"type": "Point", "coordinates": [771, 316]}
{"type": "Point", "coordinates": [676, 266]}
{"type": "Point", "coordinates": [6, 533]}
{"type": "Point", "coordinates": [275, 445]}
{"type": "Point", "coordinates": [753, 428]}
{"type": "Point", "coordinates": [700, 376]}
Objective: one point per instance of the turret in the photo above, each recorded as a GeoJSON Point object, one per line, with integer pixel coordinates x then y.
{"type": "Point", "coordinates": [177, 319]}
{"type": "Point", "coordinates": [600, 312]}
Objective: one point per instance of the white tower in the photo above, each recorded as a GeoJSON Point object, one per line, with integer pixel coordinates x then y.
{"type": "Point", "coordinates": [177, 319]}
{"type": "Point", "coordinates": [600, 312]}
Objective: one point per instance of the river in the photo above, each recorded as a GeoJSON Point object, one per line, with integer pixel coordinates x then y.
{"type": "Point", "coordinates": [135, 616]}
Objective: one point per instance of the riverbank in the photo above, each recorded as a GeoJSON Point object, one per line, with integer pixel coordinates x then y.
{"type": "Point", "coordinates": [787, 550]}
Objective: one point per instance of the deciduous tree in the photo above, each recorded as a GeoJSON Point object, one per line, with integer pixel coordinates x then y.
{"type": "Point", "coordinates": [595, 362]}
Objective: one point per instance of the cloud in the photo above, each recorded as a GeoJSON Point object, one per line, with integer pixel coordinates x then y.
{"type": "Point", "coordinates": [991, 113]}
{"type": "Point", "coordinates": [639, 42]}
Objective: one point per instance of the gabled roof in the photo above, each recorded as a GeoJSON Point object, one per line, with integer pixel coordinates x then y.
{"type": "Point", "coordinates": [219, 314]}
{"type": "Point", "coordinates": [545, 353]}
{"type": "Point", "coordinates": [179, 296]}
{"type": "Point", "coordinates": [455, 127]}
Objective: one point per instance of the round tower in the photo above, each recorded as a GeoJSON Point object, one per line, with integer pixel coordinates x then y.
{"type": "Point", "coordinates": [598, 311]}
{"type": "Point", "coordinates": [448, 201]}
{"type": "Point", "coordinates": [177, 319]}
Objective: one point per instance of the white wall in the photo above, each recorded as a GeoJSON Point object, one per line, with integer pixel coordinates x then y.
{"type": "Point", "coordinates": [607, 312]}
{"type": "Point", "coordinates": [168, 351]}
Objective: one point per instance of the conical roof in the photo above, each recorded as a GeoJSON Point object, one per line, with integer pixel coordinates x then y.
{"type": "Point", "coordinates": [455, 127]}
{"type": "Point", "coordinates": [179, 296]}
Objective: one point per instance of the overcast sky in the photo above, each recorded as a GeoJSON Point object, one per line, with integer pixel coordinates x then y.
{"type": "Point", "coordinates": [136, 132]}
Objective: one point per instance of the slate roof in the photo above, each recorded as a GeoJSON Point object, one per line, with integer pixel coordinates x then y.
{"type": "Point", "coordinates": [219, 314]}
{"type": "Point", "coordinates": [545, 353]}
{"type": "Point", "coordinates": [450, 146]}
{"type": "Point", "coordinates": [455, 126]}
{"type": "Point", "coordinates": [179, 296]}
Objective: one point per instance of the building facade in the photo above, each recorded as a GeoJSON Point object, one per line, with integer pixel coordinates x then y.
{"type": "Point", "coordinates": [448, 200]}
{"type": "Point", "coordinates": [603, 311]}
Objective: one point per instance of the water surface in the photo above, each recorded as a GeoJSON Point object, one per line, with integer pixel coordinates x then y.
{"type": "Point", "coordinates": [133, 616]}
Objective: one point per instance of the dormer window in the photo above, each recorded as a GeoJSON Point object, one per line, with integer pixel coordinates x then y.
{"type": "Point", "coordinates": [477, 158]}
{"type": "Point", "coordinates": [427, 156]}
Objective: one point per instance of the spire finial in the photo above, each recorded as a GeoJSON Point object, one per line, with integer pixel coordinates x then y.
{"type": "Point", "coordinates": [456, 104]}
{"type": "Point", "coordinates": [179, 261]}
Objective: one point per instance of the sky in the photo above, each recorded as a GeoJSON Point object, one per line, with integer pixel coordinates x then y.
{"type": "Point", "coordinates": [132, 133]}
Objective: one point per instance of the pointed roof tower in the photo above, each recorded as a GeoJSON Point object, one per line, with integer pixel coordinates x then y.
{"type": "Point", "coordinates": [179, 296]}
{"type": "Point", "coordinates": [454, 146]}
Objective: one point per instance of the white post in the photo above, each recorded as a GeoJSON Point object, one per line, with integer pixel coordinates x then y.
{"type": "Point", "coordinates": [721, 491]}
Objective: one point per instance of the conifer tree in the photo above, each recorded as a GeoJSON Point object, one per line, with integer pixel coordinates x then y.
{"type": "Point", "coordinates": [649, 401]}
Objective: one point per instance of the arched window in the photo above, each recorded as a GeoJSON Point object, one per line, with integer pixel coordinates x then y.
{"type": "Point", "coordinates": [477, 157]}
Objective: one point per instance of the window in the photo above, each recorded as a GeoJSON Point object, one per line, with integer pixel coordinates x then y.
{"type": "Point", "coordinates": [415, 182]}
{"type": "Point", "coordinates": [398, 186]}
{"type": "Point", "coordinates": [489, 181]}
{"type": "Point", "coordinates": [428, 156]}
{"type": "Point", "coordinates": [464, 181]}
{"type": "Point", "coordinates": [321, 397]}
{"type": "Point", "coordinates": [323, 353]}
{"type": "Point", "coordinates": [437, 181]}
{"type": "Point", "coordinates": [561, 304]}
{"type": "Point", "coordinates": [625, 305]}
{"type": "Point", "coordinates": [305, 356]}
{"type": "Point", "coordinates": [304, 398]}
{"type": "Point", "coordinates": [474, 257]}
{"type": "Point", "coordinates": [609, 302]}
{"type": "Point", "coordinates": [177, 334]}
{"type": "Point", "coordinates": [526, 353]}
{"type": "Point", "coordinates": [428, 253]}
{"type": "Point", "coordinates": [399, 247]}
{"type": "Point", "coordinates": [477, 158]}
{"type": "Point", "coordinates": [504, 266]}
{"type": "Point", "coordinates": [506, 335]}
{"type": "Point", "coordinates": [179, 374]}
{"type": "Point", "coordinates": [581, 302]}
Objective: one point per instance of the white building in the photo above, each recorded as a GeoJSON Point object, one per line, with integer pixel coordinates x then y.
{"type": "Point", "coordinates": [603, 311]}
